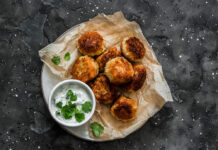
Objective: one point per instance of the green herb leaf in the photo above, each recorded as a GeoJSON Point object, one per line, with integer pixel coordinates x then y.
{"type": "Point", "coordinates": [97, 129]}
{"type": "Point", "coordinates": [72, 106]}
{"type": "Point", "coordinates": [56, 60]}
{"type": "Point", "coordinates": [87, 107]}
{"type": "Point", "coordinates": [67, 112]}
{"type": "Point", "coordinates": [59, 105]}
{"type": "Point", "coordinates": [69, 93]}
{"type": "Point", "coordinates": [58, 113]}
{"type": "Point", "coordinates": [79, 116]}
{"type": "Point", "coordinates": [77, 111]}
{"type": "Point", "coordinates": [73, 97]}
{"type": "Point", "coordinates": [67, 56]}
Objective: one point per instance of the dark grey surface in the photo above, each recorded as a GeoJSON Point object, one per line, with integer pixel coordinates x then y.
{"type": "Point", "coordinates": [184, 36]}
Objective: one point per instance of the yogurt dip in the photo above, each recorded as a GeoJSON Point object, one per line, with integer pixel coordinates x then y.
{"type": "Point", "coordinates": [72, 103]}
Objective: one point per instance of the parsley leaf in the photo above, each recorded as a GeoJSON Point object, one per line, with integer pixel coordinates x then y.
{"type": "Point", "coordinates": [69, 93]}
{"type": "Point", "coordinates": [58, 113]}
{"type": "Point", "coordinates": [87, 107]}
{"type": "Point", "coordinates": [67, 56]}
{"type": "Point", "coordinates": [59, 104]}
{"type": "Point", "coordinates": [56, 60]}
{"type": "Point", "coordinates": [79, 116]}
{"type": "Point", "coordinates": [72, 106]}
{"type": "Point", "coordinates": [97, 129]}
{"type": "Point", "coordinates": [77, 111]}
{"type": "Point", "coordinates": [73, 97]}
{"type": "Point", "coordinates": [67, 112]}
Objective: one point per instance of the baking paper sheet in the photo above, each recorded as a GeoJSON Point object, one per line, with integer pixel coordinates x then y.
{"type": "Point", "coordinates": [150, 98]}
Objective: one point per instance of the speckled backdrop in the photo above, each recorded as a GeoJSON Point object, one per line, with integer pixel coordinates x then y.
{"type": "Point", "coordinates": [184, 36]}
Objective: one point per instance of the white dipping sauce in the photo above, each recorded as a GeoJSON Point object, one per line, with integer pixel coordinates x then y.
{"type": "Point", "coordinates": [60, 96]}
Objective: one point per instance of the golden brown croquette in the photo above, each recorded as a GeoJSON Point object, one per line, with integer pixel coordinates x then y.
{"type": "Point", "coordinates": [85, 69]}
{"type": "Point", "coordinates": [91, 43]}
{"type": "Point", "coordinates": [124, 109]}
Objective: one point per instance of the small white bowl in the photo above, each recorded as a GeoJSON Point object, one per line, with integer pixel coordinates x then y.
{"type": "Point", "coordinates": [73, 82]}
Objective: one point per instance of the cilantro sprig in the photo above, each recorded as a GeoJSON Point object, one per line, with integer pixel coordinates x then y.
{"type": "Point", "coordinates": [67, 56]}
{"type": "Point", "coordinates": [70, 95]}
{"type": "Point", "coordinates": [58, 113]}
{"type": "Point", "coordinates": [59, 105]}
{"type": "Point", "coordinates": [96, 128]}
{"type": "Point", "coordinates": [87, 107]}
{"type": "Point", "coordinates": [80, 116]}
{"type": "Point", "coordinates": [56, 60]}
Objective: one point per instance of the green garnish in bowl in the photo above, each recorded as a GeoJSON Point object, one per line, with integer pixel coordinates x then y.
{"type": "Point", "coordinates": [87, 107]}
{"type": "Point", "coordinates": [79, 116]}
{"type": "Point", "coordinates": [59, 105]}
{"type": "Point", "coordinates": [71, 96]}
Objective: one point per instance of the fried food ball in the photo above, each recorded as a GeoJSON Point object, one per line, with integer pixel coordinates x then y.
{"type": "Point", "coordinates": [124, 109]}
{"type": "Point", "coordinates": [106, 56]}
{"type": "Point", "coordinates": [85, 69]}
{"type": "Point", "coordinates": [133, 49]}
{"type": "Point", "coordinates": [91, 43]}
{"type": "Point", "coordinates": [102, 89]}
{"type": "Point", "coordinates": [138, 78]}
{"type": "Point", "coordinates": [119, 70]}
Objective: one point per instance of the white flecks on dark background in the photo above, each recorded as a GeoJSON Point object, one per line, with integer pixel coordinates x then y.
{"type": "Point", "coordinates": [183, 35]}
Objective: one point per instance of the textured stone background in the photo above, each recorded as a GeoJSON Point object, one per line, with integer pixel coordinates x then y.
{"type": "Point", "coordinates": [184, 36]}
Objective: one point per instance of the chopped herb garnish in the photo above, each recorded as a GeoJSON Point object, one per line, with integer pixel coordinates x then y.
{"type": "Point", "coordinates": [79, 116]}
{"type": "Point", "coordinates": [59, 104]}
{"type": "Point", "coordinates": [87, 107]}
{"type": "Point", "coordinates": [97, 129]}
{"type": "Point", "coordinates": [56, 60]}
{"type": "Point", "coordinates": [72, 106]}
{"type": "Point", "coordinates": [67, 56]}
{"type": "Point", "coordinates": [77, 111]}
{"type": "Point", "coordinates": [73, 97]}
{"type": "Point", "coordinates": [69, 93]}
{"type": "Point", "coordinates": [67, 112]}
{"type": "Point", "coordinates": [58, 113]}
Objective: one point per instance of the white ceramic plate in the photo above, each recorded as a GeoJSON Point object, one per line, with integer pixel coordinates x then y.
{"type": "Point", "coordinates": [48, 81]}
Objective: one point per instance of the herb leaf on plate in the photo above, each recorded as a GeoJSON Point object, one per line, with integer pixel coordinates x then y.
{"type": "Point", "coordinates": [96, 128]}
{"type": "Point", "coordinates": [56, 60]}
{"type": "Point", "coordinates": [67, 56]}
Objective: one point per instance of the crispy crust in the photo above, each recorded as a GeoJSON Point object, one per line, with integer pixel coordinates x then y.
{"type": "Point", "coordinates": [106, 56]}
{"type": "Point", "coordinates": [102, 89]}
{"type": "Point", "coordinates": [138, 78]}
{"type": "Point", "coordinates": [119, 71]}
{"type": "Point", "coordinates": [85, 69]}
{"type": "Point", "coordinates": [124, 109]}
{"type": "Point", "coordinates": [91, 43]}
{"type": "Point", "coordinates": [133, 49]}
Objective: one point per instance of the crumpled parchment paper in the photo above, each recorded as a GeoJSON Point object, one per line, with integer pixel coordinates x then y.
{"type": "Point", "coordinates": [150, 98]}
